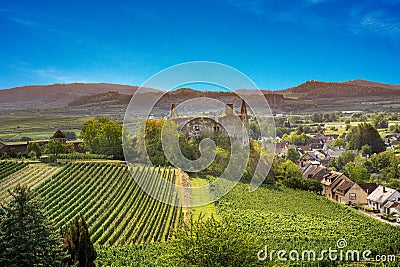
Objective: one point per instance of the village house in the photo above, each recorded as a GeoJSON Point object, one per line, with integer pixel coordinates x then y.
{"type": "Point", "coordinates": [380, 196]}
{"type": "Point", "coordinates": [13, 148]}
{"type": "Point", "coordinates": [348, 192]}
{"type": "Point", "coordinates": [318, 146]}
{"type": "Point", "coordinates": [330, 181]}
{"type": "Point", "coordinates": [303, 149]}
{"type": "Point", "coordinates": [315, 172]}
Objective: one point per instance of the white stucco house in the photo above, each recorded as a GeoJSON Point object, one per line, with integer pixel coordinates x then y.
{"type": "Point", "coordinates": [381, 196]}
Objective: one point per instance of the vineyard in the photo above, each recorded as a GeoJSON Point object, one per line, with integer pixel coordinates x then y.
{"type": "Point", "coordinates": [293, 219]}
{"type": "Point", "coordinates": [116, 209]}
{"type": "Point", "coordinates": [30, 174]}
{"type": "Point", "coordinates": [8, 167]}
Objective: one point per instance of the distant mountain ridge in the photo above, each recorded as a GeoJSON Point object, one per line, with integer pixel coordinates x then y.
{"type": "Point", "coordinates": [78, 94]}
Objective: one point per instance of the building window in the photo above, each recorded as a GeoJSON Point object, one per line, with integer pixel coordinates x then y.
{"type": "Point", "coordinates": [353, 196]}
{"type": "Point", "coordinates": [197, 128]}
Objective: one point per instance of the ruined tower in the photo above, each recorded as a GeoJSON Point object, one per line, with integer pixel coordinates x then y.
{"type": "Point", "coordinates": [174, 113]}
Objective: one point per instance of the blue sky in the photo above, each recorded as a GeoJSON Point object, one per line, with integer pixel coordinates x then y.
{"type": "Point", "coordinates": [278, 44]}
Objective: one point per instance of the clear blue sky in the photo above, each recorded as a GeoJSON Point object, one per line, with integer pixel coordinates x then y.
{"type": "Point", "coordinates": [278, 44]}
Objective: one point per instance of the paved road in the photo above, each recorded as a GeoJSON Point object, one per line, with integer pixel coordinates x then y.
{"type": "Point", "coordinates": [377, 216]}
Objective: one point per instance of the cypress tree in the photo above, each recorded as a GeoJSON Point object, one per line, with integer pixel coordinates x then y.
{"type": "Point", "coordinates": [79, 245]}
{"type": "Point", "coordinates": [26, 238]}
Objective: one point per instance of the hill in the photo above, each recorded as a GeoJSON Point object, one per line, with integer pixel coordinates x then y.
{"type": "Point", "coordinates": [333, 90]}
{"type": "Point", "coordinates": [57, 95]}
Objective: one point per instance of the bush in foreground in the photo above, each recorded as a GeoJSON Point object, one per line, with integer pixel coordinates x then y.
{"type": "Point", "coordinates": [26, 239]}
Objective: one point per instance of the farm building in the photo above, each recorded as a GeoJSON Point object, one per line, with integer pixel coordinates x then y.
{"type": "Point", "coordinates": [14, 148]}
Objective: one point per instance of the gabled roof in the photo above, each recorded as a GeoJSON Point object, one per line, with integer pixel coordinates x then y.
{"type": "Point", "coordinates": [381, 194]}
{"type": "Point", "coordinates": [319, 154]}
{"type": "Point", "coordinates": [316, 172]}
{"type": "Point", "coordinates": [334, 153]}
{"type": "Point", "coordinates": [311, 154]}
{"type": "Point", "coordinates": [368, 187]}
{"type": "Point", "coordinates": [309, 169]}
{"type": "Point", "coordinates": [59, 135]}
{"type": "Point", "coordinates": [343, 187]}
{"type": "Point", "coordinates": [331, 177]}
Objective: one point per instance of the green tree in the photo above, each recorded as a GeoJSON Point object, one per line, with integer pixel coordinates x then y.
{"type": "Point", "coordinates": [149, 143]}
{"type": "Point", "coordinates": [79, 245]}
{"type": "Point", "coordinates": [26, 237]}
{"type": "Point", "coordinates": [299, 129]}
{"type": "Point", "coordinates": [292, 154]}
{"type": "Point", "coordinates": [340, 162]}
{"type": "Point", "coordinates": [34, 147]}
{"type": "Point", "coordinates": [386, 164]}
{"type": "Point", "coordinates": [102, 136]}
{"type": "Point", "coordinates": [394, 128]}
{"type": "Point", "coordinates": [366, 150]}
{"type": "Point", "coordinates": [338, 142]}
{"type": "Point", "coordinates": [210, 242]}
{"type": "Point", "coordinates": [281, 131]}
{"type": "Point", "coordinates": [287, 170]}
{"type": "Point", "coordinates": [296, 139]}
{"type": "Point", "coordinates": [56, 147]}
{"type": "Point", "coordinates": [365, 134]}
{"type": "Point", "coordinates": [317, 117]}
{"type": "Point", "coordinates": [357, 173]}
{"type": "Point", "coordinates": [380, 122]}
{"type": "Point", "coordinates": [254, 130]}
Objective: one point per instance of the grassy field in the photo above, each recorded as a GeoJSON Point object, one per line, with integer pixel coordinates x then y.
{"type": "Point", "coordinates": [38, 128]}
